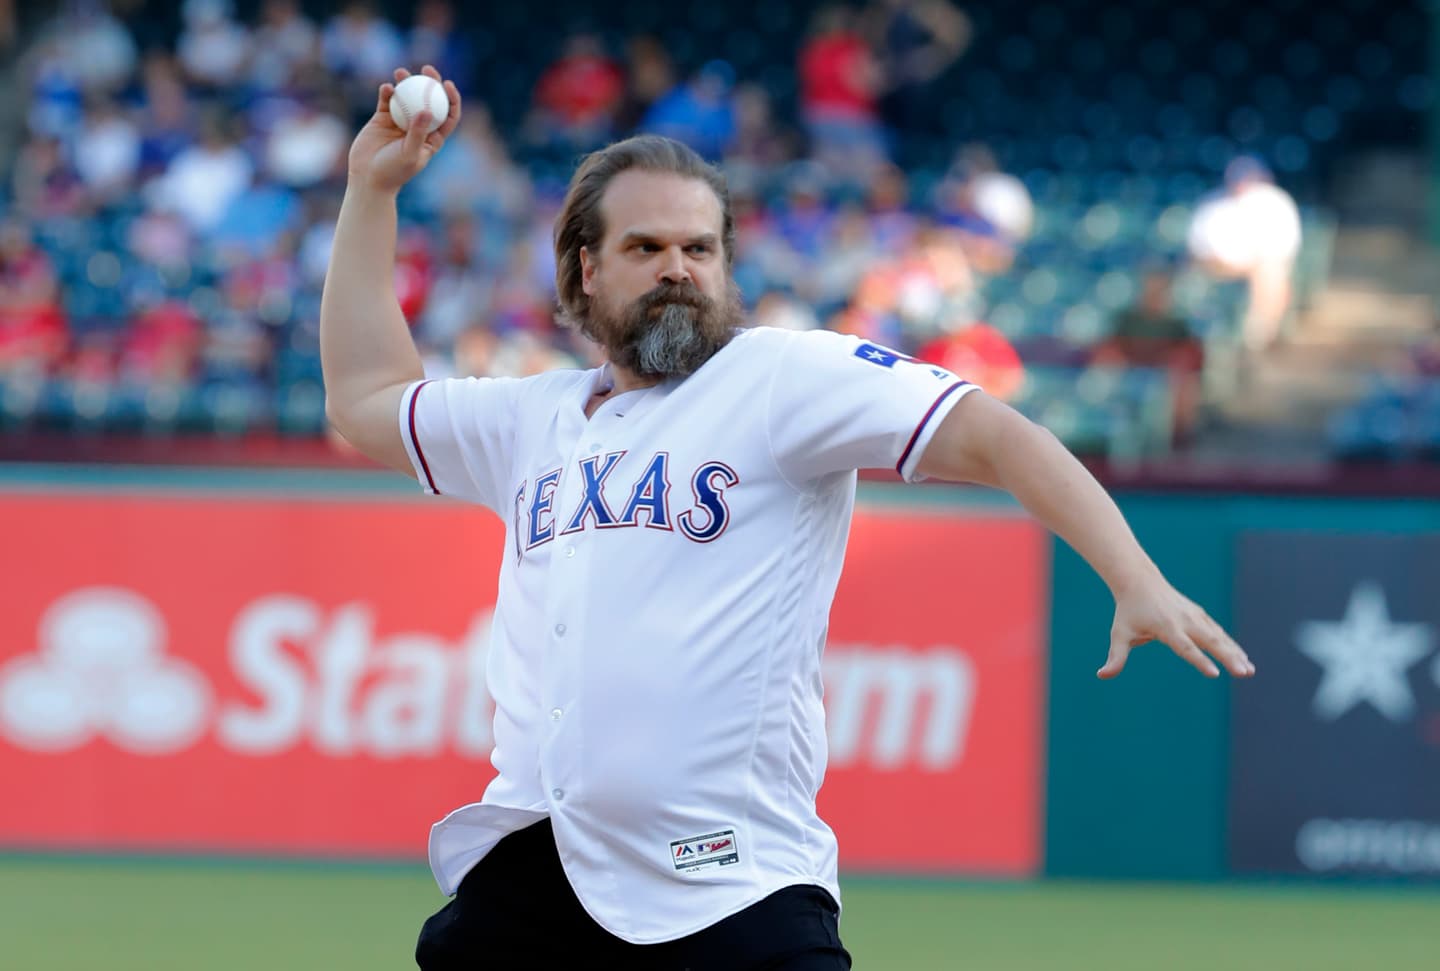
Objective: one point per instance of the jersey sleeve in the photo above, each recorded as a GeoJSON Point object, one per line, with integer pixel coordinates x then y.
{"type": "Point", "coordinates": [460, 434]}
{"type": "Point", "coordinates": [840, 403]}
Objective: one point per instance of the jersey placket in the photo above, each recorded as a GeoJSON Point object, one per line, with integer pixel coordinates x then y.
{"type": "Point", "coordinates": [561, 754]}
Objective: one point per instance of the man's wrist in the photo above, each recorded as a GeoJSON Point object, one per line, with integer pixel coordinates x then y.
{"type": "Point", "coordinates": [1128, 576]}
{"type": "Point", "coordinates": [364, 191]}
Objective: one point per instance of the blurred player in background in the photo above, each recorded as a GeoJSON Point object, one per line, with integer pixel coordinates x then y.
{"type": "Point", "coordinates": [676, 524]}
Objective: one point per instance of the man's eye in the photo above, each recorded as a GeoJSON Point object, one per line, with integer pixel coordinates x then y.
{"type": "Point", "coordinates": [649, 248]}
{"type": "Point", "coordinates": [700, 249]}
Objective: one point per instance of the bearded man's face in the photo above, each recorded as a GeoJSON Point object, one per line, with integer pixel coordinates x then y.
{"type": "Point", "coordinates": [661, 298]}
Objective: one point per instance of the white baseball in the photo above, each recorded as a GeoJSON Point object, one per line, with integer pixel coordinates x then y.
{"type": "Point", "coordinates": [415, 94]}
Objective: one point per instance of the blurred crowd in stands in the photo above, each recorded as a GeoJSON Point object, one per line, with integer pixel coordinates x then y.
{"type": "Point", "coordinates": [167, 215]}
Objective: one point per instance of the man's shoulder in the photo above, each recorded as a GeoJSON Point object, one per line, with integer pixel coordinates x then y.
{"type": "Point", "coordinates": [548, 387]}
{"type": "Point", "coordinates": [560, 379]}
{"type": "Point", "coordinates": [769, 339]}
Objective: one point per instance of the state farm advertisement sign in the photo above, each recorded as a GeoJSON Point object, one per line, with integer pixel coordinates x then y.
{"type": "Point", "coordinates": [307, 676]}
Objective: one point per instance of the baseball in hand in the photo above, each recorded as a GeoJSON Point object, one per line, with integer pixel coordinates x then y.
{"type": "Point", "coordinates": [416, 94]}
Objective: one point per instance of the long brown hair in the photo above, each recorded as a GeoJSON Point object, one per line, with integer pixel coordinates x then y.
{"type": "Point", "coordinates": [580, 223]}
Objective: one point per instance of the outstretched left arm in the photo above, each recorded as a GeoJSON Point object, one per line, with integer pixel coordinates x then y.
{"type": "Point", "coordinates": [985, 441]}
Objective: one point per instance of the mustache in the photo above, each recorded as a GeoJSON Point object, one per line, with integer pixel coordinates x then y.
{"type": "Point", "coordinates": [667, 294]}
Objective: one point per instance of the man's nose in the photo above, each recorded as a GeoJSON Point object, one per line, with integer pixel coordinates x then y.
{"type": "Point", "coordinates": [672, 266]}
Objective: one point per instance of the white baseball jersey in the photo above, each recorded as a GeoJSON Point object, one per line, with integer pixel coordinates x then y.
{"type": "Point", "coordinates": [668, 572]}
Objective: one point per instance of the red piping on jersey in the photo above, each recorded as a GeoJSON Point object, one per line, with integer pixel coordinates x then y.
{"type": "Point", "coordinates": [429, 479]}
{"type": "Point", "coordinates": [905, 456]}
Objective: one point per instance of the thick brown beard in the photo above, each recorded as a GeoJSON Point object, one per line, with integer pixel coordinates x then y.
{"type": "Point", "coordinates": [669, 332]}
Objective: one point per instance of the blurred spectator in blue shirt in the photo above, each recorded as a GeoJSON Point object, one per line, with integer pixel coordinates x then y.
{"type": "Point", "coordinates": [82, 50]}
{"type": "Point", "coordinates": [167, 117]}
{"type": "Point", "coordinates": [805, 219]}
{"type": "Point", "coordinates": [698, 113]}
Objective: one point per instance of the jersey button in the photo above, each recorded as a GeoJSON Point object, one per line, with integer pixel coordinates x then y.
{"type": "Point", "coordinates": [555, 714]}
{"type": "Point", "coordinates": [558, 794]}
{"type": "Point", "coordinates": [569, 552]}
{"type": "Point", "coordinates": [594, 446]}
{"type": "Point", "coordinates": [559, 630]}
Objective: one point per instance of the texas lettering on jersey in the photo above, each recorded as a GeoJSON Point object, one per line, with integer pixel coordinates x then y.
{"type": "Point", "coordinates": [538, 521]}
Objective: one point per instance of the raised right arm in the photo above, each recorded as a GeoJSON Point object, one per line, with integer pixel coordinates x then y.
{"type": "Point", "coordinates": [366, 351]}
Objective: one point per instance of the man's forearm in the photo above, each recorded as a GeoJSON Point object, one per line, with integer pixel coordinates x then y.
{"type": "Point", "coordinates": [365, 344]}
{"type": "Point", "coordinates": [1032, 465]}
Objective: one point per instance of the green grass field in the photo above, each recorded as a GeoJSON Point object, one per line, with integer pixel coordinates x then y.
{"type": "Point", "coordinates": [156, 916]}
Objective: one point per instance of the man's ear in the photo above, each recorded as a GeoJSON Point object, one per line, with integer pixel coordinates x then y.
{"type": "Point", "coordinates": [588, 264]}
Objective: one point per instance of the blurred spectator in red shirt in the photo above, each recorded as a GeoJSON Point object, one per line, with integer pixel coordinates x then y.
{"type": "Point", "coordinates": [32, 323]}
{"type": "Point", "coordinates": [839, 85]}
{"type": "Point", "coordinates": [578, 95]}
{"type": "Point", "coordinates": [979, 353]}
{"type": "Point", "coordinates": [414, 273]}
{"type": "Point", "coordinates": [161, 344]}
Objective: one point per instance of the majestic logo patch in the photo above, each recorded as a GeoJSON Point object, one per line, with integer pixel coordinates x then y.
{"type": "Point", "coordinates": [712, 849]}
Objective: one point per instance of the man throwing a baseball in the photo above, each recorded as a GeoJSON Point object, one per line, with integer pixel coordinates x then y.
{"type": "Point", "coordinates": [676, 522]}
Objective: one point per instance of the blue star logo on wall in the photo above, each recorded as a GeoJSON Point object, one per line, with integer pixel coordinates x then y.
{"type": "Point", "coordinates": [1365, 656]}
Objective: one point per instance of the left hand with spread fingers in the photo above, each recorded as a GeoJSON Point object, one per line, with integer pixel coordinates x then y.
{"type": "Point", "coordinates": [1153, 610]}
